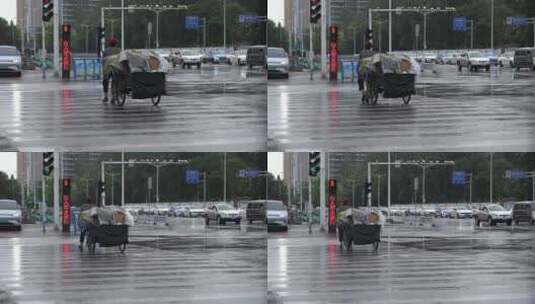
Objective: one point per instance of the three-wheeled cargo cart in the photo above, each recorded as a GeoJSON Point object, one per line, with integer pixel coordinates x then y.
{"type": "Point", "coordinates": [139, 85]}
{"type": "Point", "coordinates": [358, 234]}
{"type": "Point", "coordinates": [107, 236]}
{"type": "Point", "coordinates": [391, 85]}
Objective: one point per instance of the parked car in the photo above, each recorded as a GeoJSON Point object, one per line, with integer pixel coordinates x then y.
{"type": "Point", "coordinates": [180, 211]}
{"type": "Point", "coordinates": [256, 211]}
{"type": "Point", "coordinates": [256, 56]}
{"type": "Point", "coordinates": [10, 214]}
{"type": "Point", "coordinates": [473, 61]}
{"type": "Point", "coordinates": [461, 212]}
{"type": "Point", "coordinates": [524, 59]}
{"type": "Point", "coordinates": [241, 57]}
{"type": "Point", "coordinates": [492, 214]}
{"type": "Point", "coordinates": [507, 59]}
{"type": "Point", "coordinates": [10, 61]}
{"type": "Point", "coordinates": [524, 212]}
{"type": "Point", "coordinates": [446, 213]}
{"type": "Point", "coordinates": [278, 63]}
{"type": "Point", "coordinates": [221, 213]}
{"type": "Point", "coordinates": [191, 58]}
{"type": "Point", "coordinates": [176, 58]}
{"type": "Point", "coordinates": [197, 209]}
{"type": "Point", "coordinates": [277, 215]}
{"type": "Point", "coordinates": [220, 56]}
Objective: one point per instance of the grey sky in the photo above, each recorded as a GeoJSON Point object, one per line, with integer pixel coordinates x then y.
{"type": "Point", "coordinates": [8, 162]}
{"type": "Point", "coordinates": [275, 163]}
{"type": "Point", "coordinates": [276, 10]}
{"type": "Point", "coordinates": [9, 10]}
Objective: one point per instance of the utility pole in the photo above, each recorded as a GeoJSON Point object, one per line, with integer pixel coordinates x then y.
{"type": "Point", "coordinates": [225, 176]}
{"type": "Point", "coordinates": [225, 24]}
{"type": "Point", "coordinates": [323, 181]}
{"type": "Point", "coordinates": [390, 29]}
{"type": "Point", "coordinates": [56, 172]}
{"type": "Point", "coordinates": [491, 176]}
{"type": "Point", "coordinates": [122, 179]}
{"type": "Point", "coordinates": [122, 25]}
{"type": "Point", "coordinates": [492, 25]}
{"type": "Point", "coordinates": [323, 35]}
{"type": "Point", "coordinates": [56, 38]}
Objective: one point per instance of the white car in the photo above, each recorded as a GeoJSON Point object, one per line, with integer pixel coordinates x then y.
{"type": "Point", "coordinates": [473, 61]}
{"type": "Point", "coordinates": [461, 212]}
{"type": "Point", "coordinates": [197, 209]}
{"type": "Point", "coordinates": [191, 58]}
{"type": "Point", "coordinates": [278, 63]}
{"type": "Point", "coordinates": [10, 214]}
{"type": "Point", "coordinates": [241, 57]}
{"type": "Point", "coordinates": [10, 60]}
{"type": "Point", "coordinates": [222, 213]}
{"type": "Point", "coordinates": [507, 59]}
{"type": "Point", "coordinates": [492, 214]}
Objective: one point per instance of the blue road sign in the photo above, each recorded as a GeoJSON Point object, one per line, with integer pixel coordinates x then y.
{"type": "Point", "coordinates": [248, 19]}
{"type": "Point", "coordinates": [249, 173]}
{"type": "Point", "coordinates": [459, 24]}
{"type": "Point", "coordinates": [192, 177]}
{"type": "Point", "coordinates": [517, 21]}
{"type": "Point", "coordinates": [192, 22]}
{"type": "Point", "coordinates": [515, 174]}
{"type": "Point", "coordinates": [458, 178]}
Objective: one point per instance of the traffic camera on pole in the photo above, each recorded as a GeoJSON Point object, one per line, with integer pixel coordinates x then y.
{"type": "Point", "coordinates": [314, 163]}
{"type": "Point", "coordinates": [48, 163]}
{"type": "Point", "coordinates": [48, 10]}
{"type": "Point", "coordinates": [315, 11]}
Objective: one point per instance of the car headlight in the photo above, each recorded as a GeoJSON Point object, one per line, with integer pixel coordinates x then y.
{"type": "Point", "coordinates": [17, 214]}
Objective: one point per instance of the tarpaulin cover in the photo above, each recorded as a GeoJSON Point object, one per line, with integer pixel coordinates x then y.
{"type": "Point", "coordinates": [138, 61]}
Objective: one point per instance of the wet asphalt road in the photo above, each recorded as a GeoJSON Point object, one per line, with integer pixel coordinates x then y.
{"type": "Point", "coordinates": [214, 109]}
{"type": "Point", "coordinates": [453, 111]}
{"type": "Point", "coordinates": [452, 262]}
{"type": "Point", "coordinates": [180, 263]}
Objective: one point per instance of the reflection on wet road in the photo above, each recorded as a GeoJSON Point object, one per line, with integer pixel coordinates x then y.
{"type": "Point", "coordinates": [162, 264]}
{"type": "Point", "coordinates": [452, 111]}
{"type": "Point", "coordinates": [207, 110]}
{"type": "Point", "coordinates": [452, 262]}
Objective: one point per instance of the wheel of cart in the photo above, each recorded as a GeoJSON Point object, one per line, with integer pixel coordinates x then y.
{"type": "Point", "coordinates": [108, 236]}
{"type": "Point", "coordinates": [358, 234]}
{"type": "Point", "coordinates": [139, 85]}
{"type": "Point", "coordinates": [370, 94]}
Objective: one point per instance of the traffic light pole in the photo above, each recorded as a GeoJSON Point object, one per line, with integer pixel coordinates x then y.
{"type": "Point", "coordinates": [311, 52]}
{"type": "Point", "coordinates": [324, 4]}
{"type": "Point", "coordinates": [56, 171]}
{"type": "Point", "coordinates": [43, 51]}
{"type": "Point", "coordinates": [309, 204]}
{"type": "Point", "coordinates": [43, 203]}
{"type": "Point", "coordinates": [56, 41]}
{"type": "Point", "coordinates": [323, 181]}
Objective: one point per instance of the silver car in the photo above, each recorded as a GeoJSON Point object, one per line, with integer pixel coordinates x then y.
{"type": "Point", "coordinates": [10, 214]}
{"type": "Point", "coordinates": [277, 215]}
{"type": "Point", "coordinates": [10, 60]}
{"type": "Point", "coordinates": [278, 63]}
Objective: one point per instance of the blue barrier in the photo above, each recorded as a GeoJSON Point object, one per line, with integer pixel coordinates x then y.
{"type": "Point", "coordinates": [86, 68]}
{"type": "Point", "coordinates": [348, 68]}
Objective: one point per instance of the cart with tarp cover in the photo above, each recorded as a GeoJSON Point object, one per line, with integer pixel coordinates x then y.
{"type": "Point", "coordinates": [358, 227]}
{"type": "Point", "coordinates": [107, 227]}
{"type": "Point", "coordinates": [392, 75]}
{"type": "Point", "coordinates": [139, 74]}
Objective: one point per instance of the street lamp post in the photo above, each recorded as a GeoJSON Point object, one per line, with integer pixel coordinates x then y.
{"type": "Point", "coordinates": [225, 24]}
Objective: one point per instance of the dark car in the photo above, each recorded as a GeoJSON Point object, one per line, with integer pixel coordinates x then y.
{"type": "Point", "coordinates": [256, 56]}
{"type": "Point", "coordinates": [523, 58]}
{"type": "Point", "coordinates": [256, 211]}
{"type": "Point", "coordinates": [524, 212]}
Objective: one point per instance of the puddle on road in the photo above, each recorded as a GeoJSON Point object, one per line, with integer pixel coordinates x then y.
{"type": "Point", "coordinates": [455, 244]}
{"type": "Point", "coordinates": [184, 243]}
